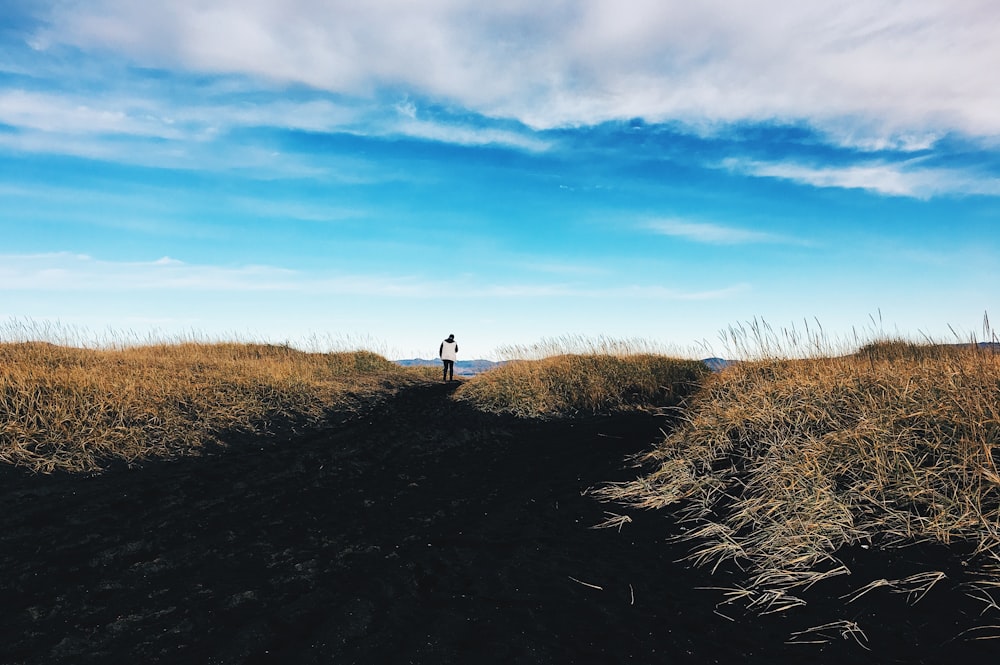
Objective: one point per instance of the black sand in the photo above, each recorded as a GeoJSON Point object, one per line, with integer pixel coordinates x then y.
{"type": "Point", "coordinates": [427, 533]}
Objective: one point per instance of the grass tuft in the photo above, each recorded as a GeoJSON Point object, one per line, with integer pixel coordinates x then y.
{"type": "Point", "coordinates": [609, 378]}
{"type": "Point", "coordinates": [779, 463]}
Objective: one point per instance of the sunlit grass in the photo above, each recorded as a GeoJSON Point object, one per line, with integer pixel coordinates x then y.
{"type": "Point", "coordinates": [77, 409]}
{"type": "Point", "coordinates": [575, 376]}
{"type": "Point", "coordinates": [779, 463]}
{"type": "Point", "coordinates": [582, 345]}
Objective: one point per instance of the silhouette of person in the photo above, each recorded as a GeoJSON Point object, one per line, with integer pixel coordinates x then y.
{"type": "Point", "coordinates": [449, 354]}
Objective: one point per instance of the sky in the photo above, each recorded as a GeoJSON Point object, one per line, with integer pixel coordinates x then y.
{"type": "Point", "coordinates": [382, 174]}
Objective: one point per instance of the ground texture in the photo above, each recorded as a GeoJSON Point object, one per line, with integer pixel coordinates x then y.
{"type": "Point", "coordinates": [424, 533]}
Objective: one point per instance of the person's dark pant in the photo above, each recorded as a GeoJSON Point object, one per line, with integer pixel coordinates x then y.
{"type": "Point", "coordinates": [449, 370]}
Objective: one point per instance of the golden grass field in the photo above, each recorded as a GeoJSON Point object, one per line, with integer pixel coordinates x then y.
{"type": "Point", "coordinates": [77, 409]}
{"type": "Point", "coordinates": [570, 385]}
{"type": "Point", "coordinates": [74, 409]}
{"type": "Point", "coordinates": [779, 463]}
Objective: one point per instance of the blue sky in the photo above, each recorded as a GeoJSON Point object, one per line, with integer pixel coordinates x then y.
{"type": "Point", "coordinates": [317, 172]}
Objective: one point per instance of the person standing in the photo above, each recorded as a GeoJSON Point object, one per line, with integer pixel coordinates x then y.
{"type": "Point", "coordinates": [449, 354]}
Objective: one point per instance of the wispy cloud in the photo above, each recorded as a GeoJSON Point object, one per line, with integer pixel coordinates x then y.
{"type": "Point", "coordinates": [297, 210]}
{"type": "Point", "coordinates": [76, 114]}
{"type": "Point", "coordinates": [547, 264]}
{"type": "Point", "coordinates": [665, 293]}
{"type": "Point", "coordinates": [156, 115]}
{"type": "Point", "coordinates": [627, 291]}
{"type": "Point", "coordinates": [716, 234]}
{"type": "Point", "coordinates": [187, 134]}
{"type": "Point", "coordinates": [250, 159]}
{"type": "Point", "coordinates": [69, 272]}
{"type": "Point", "coordinates": [65, 271]}
{"type": "Point", "coordinates": [907, 179]}
{"type": "Point", "coordinates": [410, 287]}
{"type": "Point", "coordinates": [464, 135]}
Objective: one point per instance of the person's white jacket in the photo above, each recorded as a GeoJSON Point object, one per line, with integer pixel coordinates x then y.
{"type": "Point", "coordinates": [449, 350]}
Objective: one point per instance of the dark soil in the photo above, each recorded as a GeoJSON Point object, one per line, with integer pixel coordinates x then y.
{"type": "Point", "coordinates": [426, 533]}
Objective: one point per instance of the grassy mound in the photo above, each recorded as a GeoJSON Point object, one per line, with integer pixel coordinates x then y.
{"type": "Point", "coordinates": [579, 384]}
{"type": "Point", "coordinates": [74, 409]}
{"type": "Point", "coordinates": [780, 463]}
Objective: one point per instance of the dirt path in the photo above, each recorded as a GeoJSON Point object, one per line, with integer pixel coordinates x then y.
{"type": "Point", "coordinates": [428, 533]}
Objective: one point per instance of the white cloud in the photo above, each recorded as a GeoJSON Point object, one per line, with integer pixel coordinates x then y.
{"type": "Point", "coordinates": [900, 179]}
{"type": "Point", "coordinates": [715, 234]}
{"type": "Point", "coordinates": [407, 108]}
{"type": "Point", "coordinates": [250, 160]}
{"type": "Point", "coordinates": [468, 136]}
{"type": "Point", "coordinates": [84, 114]}
{"type": "Point", "coordinates": [182, 133]}
{"type": "Point", "coordinates": [629, 291]}
{"type": "Point", "coordinates": [298, 210]}
{"type": "Point", "coordinates": [68, 272]}
{"type": "Point", "coordinates": [554, 266]}
{"type": "Point", "coordinates": [64, 271]}
{"type": "Point", "coordinates": [76, 114]}
{"type": "Point", "coordinates": [664, 293]}
{"type": "Point", "coordinates": [873, 72]}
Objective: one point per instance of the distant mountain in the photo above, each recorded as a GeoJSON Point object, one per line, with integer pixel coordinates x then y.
{"type": "Point", "coordinates": [473, 367]}
{"type": "Point", "coordinates": [462, 367]}
{"type": "Point", "coordinates": [717, 364]}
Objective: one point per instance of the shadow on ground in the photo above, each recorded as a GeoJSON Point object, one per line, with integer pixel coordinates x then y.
{"type": "Point", "coordinates": [425, 533]}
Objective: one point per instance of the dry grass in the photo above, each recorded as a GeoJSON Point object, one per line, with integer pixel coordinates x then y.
{"type": "Point", "coordinates": [779, 463]}
{"type": "Point", "coordinates": [608, 377]}
{"type": "Point", "coordinates": [74, 409]}
{"type": "Point", "coordinates": [581, 345]}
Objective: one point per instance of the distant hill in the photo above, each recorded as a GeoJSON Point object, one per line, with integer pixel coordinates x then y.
{"type": "Point", "coordinates": [473, 367]}
{"type": "Point", "coordinates": [717, 364]}
{"type": "Point", "coordinates": [462, 367]}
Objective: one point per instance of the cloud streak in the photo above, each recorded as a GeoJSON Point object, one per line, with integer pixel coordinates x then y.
{"type": "Point", "coordinates": [631, 292]}
{"type": "Point", "coordinates": [906, 179]}
{"type": "Point", "coordinates": [715, 234]}
{"type": "Point", "coordinates": [68, 272]}
{"type": "Point", "coordinates": [184, 132]}
{"type": "Point", "coordinates": [65, 271]}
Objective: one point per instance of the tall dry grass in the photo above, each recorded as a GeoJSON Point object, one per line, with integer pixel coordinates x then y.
{"type": "Point", "coordinates": [583, 345]}
{"type": "Point", "coordinates": [609, 376]}
{"type": "Point", "coordinates": [780, 463]}
{"type": "Point", "coordinates": [75, 409]}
